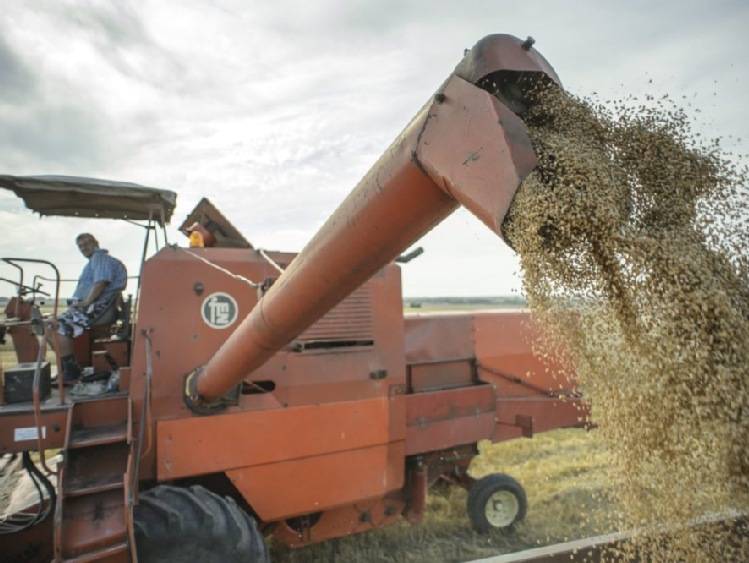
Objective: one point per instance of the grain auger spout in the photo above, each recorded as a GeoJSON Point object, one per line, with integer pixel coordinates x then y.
{"type": "Point", "coordinates": [467, 146]}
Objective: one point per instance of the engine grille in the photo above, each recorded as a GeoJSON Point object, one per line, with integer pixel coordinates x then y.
{"type": "Point", "coordinates": [349, 322]}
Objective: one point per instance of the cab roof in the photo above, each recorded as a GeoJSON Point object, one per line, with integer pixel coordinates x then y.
{"type": "Point", "coordinates": [73, 196]}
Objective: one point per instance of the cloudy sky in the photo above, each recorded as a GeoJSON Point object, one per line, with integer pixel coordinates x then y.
{"type": "Point", "coordinates": [275, 109]}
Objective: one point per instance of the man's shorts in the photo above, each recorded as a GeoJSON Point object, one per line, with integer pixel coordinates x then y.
{"type": "Point", "coordinates": [74, 321]}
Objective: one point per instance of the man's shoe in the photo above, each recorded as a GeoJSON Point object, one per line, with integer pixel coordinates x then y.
{"type": "Point", "coordinates": [71, 371]}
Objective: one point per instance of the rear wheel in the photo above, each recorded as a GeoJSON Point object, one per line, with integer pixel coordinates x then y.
{"type": "Point", "coordinates": [179, 525]}
{"type": "Point", "coordinates": [496, 501]}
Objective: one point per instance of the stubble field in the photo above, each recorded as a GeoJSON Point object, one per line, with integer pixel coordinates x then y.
{"type": "Point", "coordinates": [565, 477]}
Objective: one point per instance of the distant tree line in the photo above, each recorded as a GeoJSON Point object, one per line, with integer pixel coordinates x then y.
{"type": "Point", "coordinates": [495, 301]}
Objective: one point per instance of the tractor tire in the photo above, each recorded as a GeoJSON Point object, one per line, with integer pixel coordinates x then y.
{"type": "Point", "coordinates": [496, 501]}
{"type": "Point", "coordinates": [179, 525]}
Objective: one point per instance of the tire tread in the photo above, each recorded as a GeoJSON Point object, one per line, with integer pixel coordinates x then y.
{"type": "Point", "coordinates": [184, 517]}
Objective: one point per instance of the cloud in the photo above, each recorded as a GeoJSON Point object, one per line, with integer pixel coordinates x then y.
{"type": "Point", "coordinates": [18, 80]}
{"type": "Point", "coordinates": [117, 33]}
{"type": "Point", "coordinates": [275, 110]}
{"type": "Point", "coordinates": [38, 131]}
{"type": "Point", "coordinates": [61, 110]}
{"type": "Point", "coordinates": [62, 137]}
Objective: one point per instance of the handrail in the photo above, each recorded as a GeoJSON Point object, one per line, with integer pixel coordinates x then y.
{"type": "Point", "coordinates": [129, 498]}
{"type": "Point", "coordinates": [441, 361]}
{"type": "Point", "coordinates": [130, 485]}
{"type": "Point", "coordinates": [147, 392]}
{"type": "Point", "coordinates": [133, 464]}
{"type": "Point", "coordinates": [20, 284]}
{"type": "Point", "coordinates": [520, 381]}
{"type": "Point", "coordinates": [40, 277]}
{"type": "Point", "coordinates": [55, 336]}
{"type": "Point", "coordinates": [38, 406]}
{"type": "Point", "coordinates": [145, 419]}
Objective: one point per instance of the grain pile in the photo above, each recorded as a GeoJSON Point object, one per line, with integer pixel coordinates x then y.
{"type": "Point", "coordinates": [634, 245]}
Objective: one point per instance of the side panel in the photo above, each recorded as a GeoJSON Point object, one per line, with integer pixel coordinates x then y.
{"type": "Point", "coordinates": [518, 417]}
{"type": "Point", "coordinates": [439, 352]}
{"type": "Point", "coordinates": [504, 343]}
{"type": "Point", "coordinates": [319, 384]}
{"type": "Point", "coordinates": [342, 521]}
{"type": "Point", "coordinates": [438, 420]}
{"type": "Point", "coordinates": [195, 446]}
{"type": "Point", "coordinates": [531, 395]}
{"type": "Point", "coordinates": [303, 486]}
{"type": "Point", "coordinates": [18, 430]}
{"type": "Point", "coordinates": [438, 337]}
{"type": "Point", "coordinates": [440, 375]}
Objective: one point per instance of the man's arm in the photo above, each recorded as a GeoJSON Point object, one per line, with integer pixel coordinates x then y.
{"type": "Point", "coordinates": [96, 290]}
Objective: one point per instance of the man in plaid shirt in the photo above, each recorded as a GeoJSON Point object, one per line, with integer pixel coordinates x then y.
{"type": "Point", "coordinates": [100, 285]}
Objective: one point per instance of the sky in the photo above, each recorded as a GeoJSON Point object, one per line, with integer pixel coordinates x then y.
{"type": "Point", "coordinates": [275, 110]}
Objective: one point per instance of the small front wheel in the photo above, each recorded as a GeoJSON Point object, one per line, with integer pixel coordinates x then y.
{"type": "Point", "coordinates": [496, 501]}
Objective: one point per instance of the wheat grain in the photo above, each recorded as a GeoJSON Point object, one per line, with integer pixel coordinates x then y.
{"type": "Point", "coordinates": [633, 242]}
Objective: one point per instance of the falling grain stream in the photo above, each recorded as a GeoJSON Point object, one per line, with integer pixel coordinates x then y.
{"type": "Point", "coordinates": [634, 246]}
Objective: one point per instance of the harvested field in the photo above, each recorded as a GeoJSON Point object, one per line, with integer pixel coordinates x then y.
{"type": "Point", "coordinates": [565, 477]}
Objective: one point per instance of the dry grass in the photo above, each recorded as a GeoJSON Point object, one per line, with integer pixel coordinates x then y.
{"type": "Point", "coordinates": [566, 481]}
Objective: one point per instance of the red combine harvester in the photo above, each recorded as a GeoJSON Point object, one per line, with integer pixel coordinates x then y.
{"type": "Point", "coordinates": [267, 393]}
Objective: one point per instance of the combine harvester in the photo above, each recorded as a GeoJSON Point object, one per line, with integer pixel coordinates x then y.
{"type": "Point", "coordinates": [272, 394]}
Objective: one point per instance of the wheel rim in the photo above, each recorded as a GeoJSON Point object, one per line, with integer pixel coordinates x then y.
{"type": "Point", "coordinates": [501, 509]}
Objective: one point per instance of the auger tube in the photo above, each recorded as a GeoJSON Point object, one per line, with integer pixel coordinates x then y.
{"type": "Point", "coordinates": [465, 147]}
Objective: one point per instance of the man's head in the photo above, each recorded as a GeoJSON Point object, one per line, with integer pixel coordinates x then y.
{"type": "Point", "coordinates": [87, 244]}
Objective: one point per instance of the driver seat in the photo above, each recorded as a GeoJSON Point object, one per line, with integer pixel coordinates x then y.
{"type": "Point", "coordinates": [113, 323]}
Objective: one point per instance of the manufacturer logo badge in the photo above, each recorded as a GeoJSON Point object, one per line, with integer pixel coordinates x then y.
{"type": "Point", "coordinates": [219, 310]}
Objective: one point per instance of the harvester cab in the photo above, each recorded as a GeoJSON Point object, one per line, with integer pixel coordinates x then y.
{"type": "Point", "coordinates": [282, 394]}
{"type": "Point", "coordinates": [67, 196]}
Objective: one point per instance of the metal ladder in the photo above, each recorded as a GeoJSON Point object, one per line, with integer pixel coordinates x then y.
{"type": "Point", "coordinates": [93, 520]}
